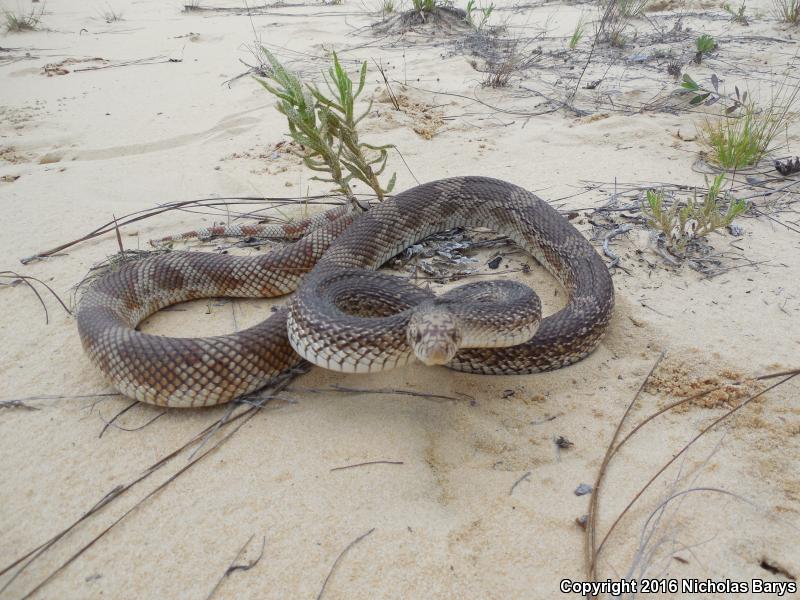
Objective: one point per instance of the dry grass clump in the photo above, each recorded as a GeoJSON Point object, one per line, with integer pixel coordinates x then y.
{"type": "Point", "coordinates": [23, 21]}
{"type": "Point", "coordinates": [787, 11]}
{"type": "Point", "coordinates": [110, 15]}
{"type": "Point", "coordinates": [431, 13]}
{"type": "Point", "coordinates": [616, 18]}
{"type": "Point", "coordinates": [503, 58]}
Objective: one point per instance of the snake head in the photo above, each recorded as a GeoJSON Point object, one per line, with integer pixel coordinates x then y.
{"type": "Point", "coordinates": [434, 333]}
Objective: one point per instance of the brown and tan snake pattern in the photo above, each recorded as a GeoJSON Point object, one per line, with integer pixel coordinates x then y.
{"type": "Point", "coordinates": [213, 370]}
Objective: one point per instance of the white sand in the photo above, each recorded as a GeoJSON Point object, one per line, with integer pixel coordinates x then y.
{"type": "Point", "coordinates": [87, 145]}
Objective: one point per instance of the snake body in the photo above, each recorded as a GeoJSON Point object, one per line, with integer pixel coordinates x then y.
{"type": "Point", "coordinates": [213, 370]}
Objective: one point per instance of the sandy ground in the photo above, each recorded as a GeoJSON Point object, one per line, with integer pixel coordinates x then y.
{"type": "Point", "coordinates": [474, 499]}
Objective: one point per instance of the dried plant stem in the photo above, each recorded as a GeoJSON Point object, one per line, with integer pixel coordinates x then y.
{"type": "Point", "coordinates": [27, 559]}
{"type": "Point", "coordinates": [592, 548]}
{"type": "Point", "coordinates": [339, 559]}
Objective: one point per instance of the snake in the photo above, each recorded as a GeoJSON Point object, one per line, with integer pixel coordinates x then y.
{"type": "Point", "coordinates": [344, 315]}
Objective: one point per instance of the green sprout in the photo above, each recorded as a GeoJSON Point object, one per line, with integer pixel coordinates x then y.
{"type": "Point", "coordinates": [479, 22]}
{"type": "Point", "coordinates": [424, 6]}
{"type": "Point", "coordinates": [737, 14]}
{"type": "Point", "coordinates": [577, 34]}
{"type": "Point", "coordinates": [705, 44]}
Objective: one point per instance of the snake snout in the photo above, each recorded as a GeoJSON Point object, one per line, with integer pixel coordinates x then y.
{"type": "Point", "coordinates": [434, 334]}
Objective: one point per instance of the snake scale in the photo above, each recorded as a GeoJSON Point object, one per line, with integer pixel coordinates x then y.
{"type": "Point", "coordinates": [343, 316]}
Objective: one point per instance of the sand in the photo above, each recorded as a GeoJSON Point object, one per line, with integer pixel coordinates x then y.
{"type": "Point", "coordinates": [468, 495]}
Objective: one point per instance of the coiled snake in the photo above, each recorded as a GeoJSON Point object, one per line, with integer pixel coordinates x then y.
{"type": "Point", "coordinates": [345, 317]}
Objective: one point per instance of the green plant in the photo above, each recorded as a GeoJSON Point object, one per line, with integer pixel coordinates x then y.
{"type": "Point", "coordinates": [577, 34]}
{"type": "Point", "coordinates": [704, 44]}
{"type": "Point", "coordinates": [740, 140]}
{"type": "Point", "coordinates": [423, 6]}
{"type": "Point", "coordinates": [485, 13]}
{"type": "Point", "coordinates": [326, 126]}
{"type": "Point", "coordinates": [21, 21]}
{"type": "Point", "coordinates": [388, 7]}
{"type": "Point", "coordinates": [736, 142]}
{"type": "Point", "coordinates": [737, 15]}
{"type": "Point", "coordinates": [710, 96]}
{"type": "Point", "coordinates": [787, 10]}
{"type": "Point", "coordinates": [681, 223]}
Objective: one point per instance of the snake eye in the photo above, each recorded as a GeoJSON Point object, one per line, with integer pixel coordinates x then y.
{"type": "Point", "coordinates": [418, 337]}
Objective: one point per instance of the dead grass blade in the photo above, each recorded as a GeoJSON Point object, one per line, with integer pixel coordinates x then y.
{"type": "Point", "coordinates": [26, 279]}
{"type": "Point", "coordinates": [235, 567]}
{"type": "Point", "coordinates": [339, 559]}
{"type": "Point", "coordinates": [592, 548]}
{"type": "Point", "coordinates": [183, 205]}
{"type": "Point", "coordinates": [24, 561]}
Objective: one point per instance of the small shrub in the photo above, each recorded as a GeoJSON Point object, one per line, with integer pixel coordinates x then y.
{"type": "Point", "coordinates": [632, 8]}
{"type": "Point", "coordinates": [681, 223]}
{"type": "Point", "coordinates": [388, 7]}
{"type": "Point", "coordinates": [326, 126]}
{"type": "Point", "coordinates": [110, 15]}
{"type": "Point", "coordinates": [736, 141]}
